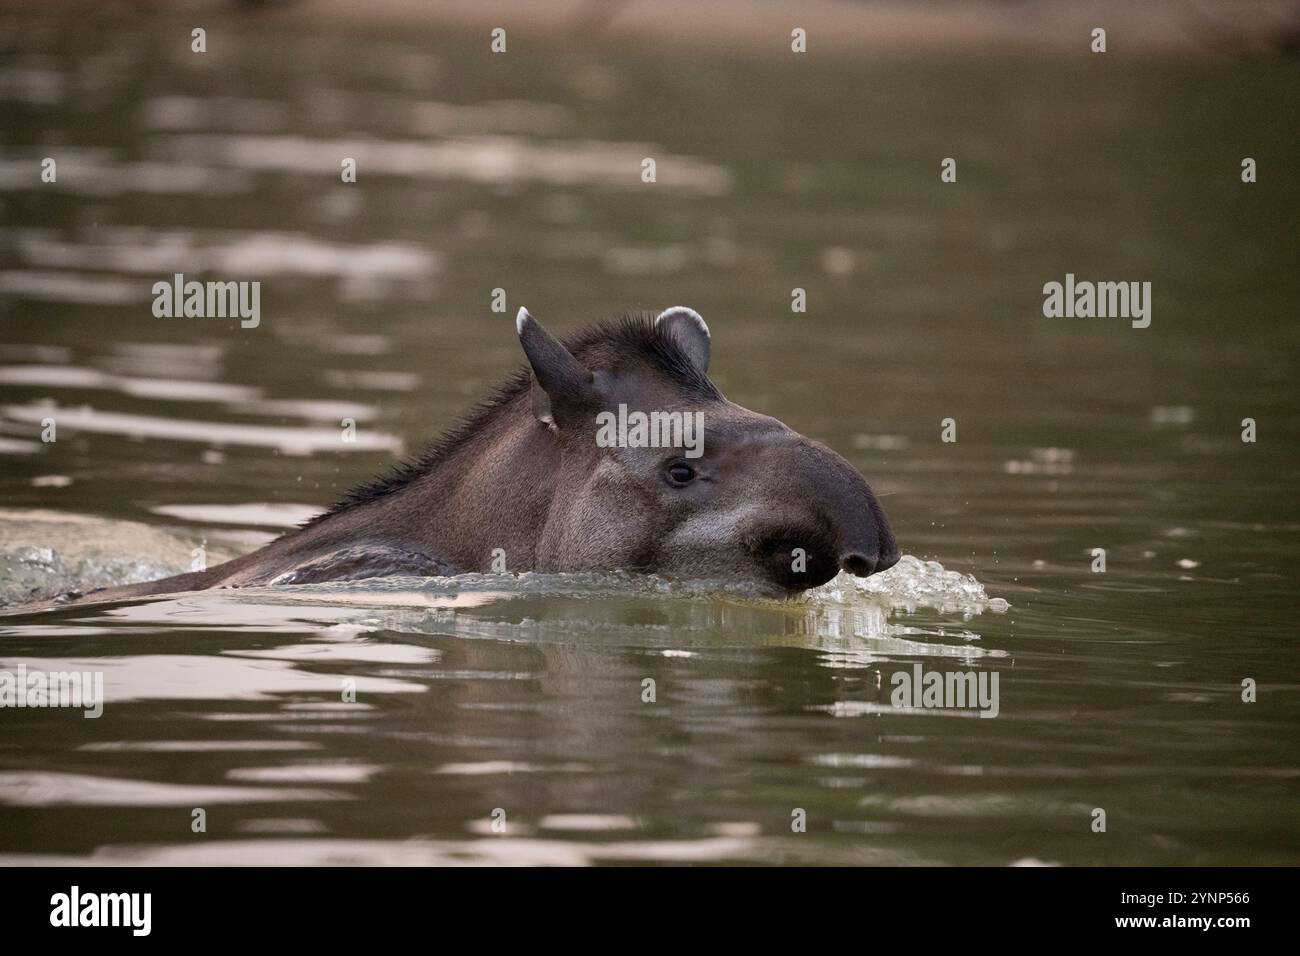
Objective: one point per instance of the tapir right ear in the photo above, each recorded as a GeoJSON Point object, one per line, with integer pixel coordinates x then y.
{"type": "Point", "coordinates": [690, 333]}
{"type": "Point", "coordinates": [560, 379]}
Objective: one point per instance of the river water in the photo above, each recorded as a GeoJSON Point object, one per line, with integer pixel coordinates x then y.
{"type": "Point", "coordinates": [596, 719]}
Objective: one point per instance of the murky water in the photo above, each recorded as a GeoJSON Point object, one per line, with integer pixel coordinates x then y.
{"type": "Point", "coordinates": [399, 721]}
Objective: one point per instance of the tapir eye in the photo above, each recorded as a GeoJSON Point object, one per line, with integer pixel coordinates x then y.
{"type": "Point", "coordinates": [680, 473]}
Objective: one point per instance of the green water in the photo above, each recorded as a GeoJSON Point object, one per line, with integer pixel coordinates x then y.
{"type": "Point", "coordinates": [1119, 690]}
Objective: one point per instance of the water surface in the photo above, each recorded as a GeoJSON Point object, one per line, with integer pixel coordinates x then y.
{"type": "Point", "coordinates": [386, 722]}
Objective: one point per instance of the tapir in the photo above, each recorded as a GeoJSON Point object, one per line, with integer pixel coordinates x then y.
{"type": "Point", "coordinates": [524, 483]}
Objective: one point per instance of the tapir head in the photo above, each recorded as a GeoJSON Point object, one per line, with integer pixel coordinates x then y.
{"type": "Point", "coordinates": [659, 473]}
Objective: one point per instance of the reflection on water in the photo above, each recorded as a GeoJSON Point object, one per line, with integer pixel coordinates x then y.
{"type": "Point", "coordinates": [300, 440]}
{"type": "Point", "coordinates": [568, 651]}
{"type": "Point", "coordinates": [387, 722]}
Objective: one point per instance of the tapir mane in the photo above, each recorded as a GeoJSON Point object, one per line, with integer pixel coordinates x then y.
{"type": "Point", "coordinates": [629, 338]}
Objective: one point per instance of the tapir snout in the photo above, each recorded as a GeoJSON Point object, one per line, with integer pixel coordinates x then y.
{"type": "Point", "coordinates": [821, 516]}
{"type": "Point", "coordinates": [874, 553]}
{"type": "Point", "coordinates": [867, 544]}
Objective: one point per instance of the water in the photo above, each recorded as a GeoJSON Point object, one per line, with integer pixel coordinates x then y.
{"type": "Point", "coordinates": [1118, 690]}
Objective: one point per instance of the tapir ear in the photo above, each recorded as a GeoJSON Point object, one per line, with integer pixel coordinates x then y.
{"type": "Point", "coordinates": [690, 333]}
{"type": "Point", "coordinates": [563, 380]}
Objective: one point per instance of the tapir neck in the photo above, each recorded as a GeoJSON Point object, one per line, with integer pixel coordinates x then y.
{"type": "Point", "coordinates": [481, 508]}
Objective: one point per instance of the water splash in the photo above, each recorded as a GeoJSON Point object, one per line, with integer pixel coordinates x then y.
{"type": "Point", "coordinates": [37, 574]}
{"type": "Point", "coordinates": [90, 553]}
{"type": "Point", "coordinates": [912, 584]}
{"type": "Point", "coordinates": [45, 553]}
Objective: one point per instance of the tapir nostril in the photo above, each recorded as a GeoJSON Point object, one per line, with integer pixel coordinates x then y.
{"type": "Point", "coordinates": [858, 564]}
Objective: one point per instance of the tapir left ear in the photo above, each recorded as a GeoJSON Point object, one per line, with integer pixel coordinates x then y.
{"type": "Point", "coordinates": [689, 331]}
{"type": "Point", "coordinates": [559, 378]}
